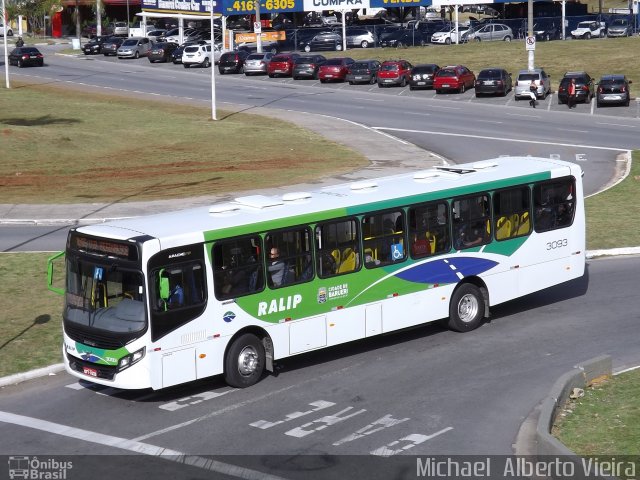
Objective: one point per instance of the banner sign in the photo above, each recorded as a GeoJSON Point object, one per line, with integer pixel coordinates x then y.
{"type": "Point", "coordinates": [247, 7]}
{"type": "Point", "coordinates": [182, 6]}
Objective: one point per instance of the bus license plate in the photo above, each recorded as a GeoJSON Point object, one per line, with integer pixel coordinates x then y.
{"type": "Point", "coordinates": [92, 372]}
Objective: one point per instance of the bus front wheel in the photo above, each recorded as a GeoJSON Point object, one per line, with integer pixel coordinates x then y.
{"type": "Point", "coordinates": [467, 307]}
{"type": "Point", "coordinates": [245, 360]}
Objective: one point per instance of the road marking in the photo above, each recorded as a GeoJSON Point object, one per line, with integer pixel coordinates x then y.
{"type": "Point", "coordinates": [617, 124]}
{"type": "Point", "coordinates": [320, 405]}
{"type": "Point", "coordinates": [134, 446]}
{"type": "Point", "coordinates": [193, 400]}
{"type": "Point", "coordinates": [522, 115]}
{"type": "Point", "coordinates": [490, 121]}
{"type": "Point", "coordinates": [445, 108]}
{"type": "Point", "coordinates": [328, 420]}
{"type": "Point", "coordinates": [485, 137]}
{"type": "Point", "coordinates": [577, 131]}
{"type": "Point", "coordinates": [369, 99]}
{"type": "Point", "coordinates": [413, 440]}
{"type": "Point", "coordinates": [418, 113]}
{"type": "Point", "coordinates": [386, 422]}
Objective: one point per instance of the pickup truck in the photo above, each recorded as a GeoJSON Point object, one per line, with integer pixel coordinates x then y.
{"type": "Point", "coordinates": [589, 29]}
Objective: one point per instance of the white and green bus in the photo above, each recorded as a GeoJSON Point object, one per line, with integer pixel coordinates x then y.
{"type": "Point", "coordinates": [228, 289]}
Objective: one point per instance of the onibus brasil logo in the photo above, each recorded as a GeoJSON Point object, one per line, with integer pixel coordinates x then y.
{"type": "Point", "coordinates": [38, 469]}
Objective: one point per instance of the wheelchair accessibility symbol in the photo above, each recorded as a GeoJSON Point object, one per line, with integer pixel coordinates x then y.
{"type": "Point", "coordinates": [396, 251]}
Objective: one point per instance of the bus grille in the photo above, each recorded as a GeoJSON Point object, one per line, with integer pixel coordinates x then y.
{"type": "Point", "coordinates": [94, 339]}
{"type": "Point", "coordinates": [103, 371]}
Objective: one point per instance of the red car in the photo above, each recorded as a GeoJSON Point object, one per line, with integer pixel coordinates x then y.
{"type": "Point", "coordinates": [282, 65]}
{"type": "Point", "coordinates": [456, 77]}
{"type": "Point", "coordinates": [335, 69]}
{"type": "Point", "coordinates": [394, 72]}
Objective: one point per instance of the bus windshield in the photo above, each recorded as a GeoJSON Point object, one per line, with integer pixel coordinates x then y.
{"type": "Point", "coordinates": [104, 296]}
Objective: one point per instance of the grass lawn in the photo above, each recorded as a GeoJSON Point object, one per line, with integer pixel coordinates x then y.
{"type": "Point", "coordinates": [65, 146]}
{"type": "Point", "coordinates": [606, 421]}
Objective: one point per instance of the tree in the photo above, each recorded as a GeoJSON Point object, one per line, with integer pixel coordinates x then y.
{"type": "Point", "coordinates": [33, 10]}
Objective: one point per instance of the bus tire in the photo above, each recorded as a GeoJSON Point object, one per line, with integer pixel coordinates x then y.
{"type": "Point", "coordinates": [245, 361]}
{"type": "Point", "coordinates": [467, 307]}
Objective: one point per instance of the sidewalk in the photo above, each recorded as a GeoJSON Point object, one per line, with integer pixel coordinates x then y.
{"type": "Point", "coordinates": [387, 155]}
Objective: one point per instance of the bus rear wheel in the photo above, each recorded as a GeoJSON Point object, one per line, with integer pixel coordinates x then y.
{"type": "Point", "coordinates": [245, 361]}
{"type": "Point", "coordinates": [466, 310]}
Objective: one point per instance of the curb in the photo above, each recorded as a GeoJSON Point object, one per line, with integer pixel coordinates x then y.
{"type": "Point", "coordinates": [31, 374]}
{"type": "Point", "coordinates": [580, 377]}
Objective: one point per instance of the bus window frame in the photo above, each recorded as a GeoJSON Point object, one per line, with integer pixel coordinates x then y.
{"type": "Point", "coordinates": [320, 254]}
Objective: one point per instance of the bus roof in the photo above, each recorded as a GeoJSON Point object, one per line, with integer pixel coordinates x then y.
{"type": "Point", "coordinates": [233, 217]}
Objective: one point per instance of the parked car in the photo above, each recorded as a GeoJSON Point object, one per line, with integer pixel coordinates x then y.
{"type": "Point", "coordinates": [613, 89]}
{"type": "Point", "coordinates": [335, 69]}
{"type": "Point", "coordinates": [523, 83]}
{"type": "Point", "coordinates": [135, 47]}
{"type": "Point", "coordinates": [491, 32]}
{"type": "Point", "coordinates": [394, 72]}
{"type": "Point", "coordinates": [620, 28]}
{"type": "Point", "coordinates": [176, 55]}
{"type": "Point", "coordinates": [308, 66]}
{"type": "Point", "coordinates": [585, 89]}
{"type": "Point", "coordinates": [360, 37]}
{"type": "Point", "coordinates": [197, 55]}
{"type": "Point", "coordinates": [9, 30]}
{"type": "Point", "coordinates": [447, 36]}
{"type": "Point", "coordinates": [493, 81]}
{"type": "Point", "coordinates": [322, 41]}
{"type": "Point", "coordinates": [111, 46]}
{"type": "Point", "coordinates": [422, 76]}
{"type": "Point", "coordinates": [363, 71]}
{"type": "Point", "coordinates": [282, 64]}
{"type": "Point", "coordinates": [161, 52]}
{"type": "Point", "coordinates": [455, 77]}
{"type": "Point", "coordinates": [547, 32]}
{"type": "Point", "coordinates": [257, 63]}
{"type": "Point", "coordinates": [588, 29]}
{"type": "Point", "coordinates": [120, 28]}
{"type": "Point", "coordinates": [26, 57]}
{"type": "Point", "coordinates": [231, 62]}
{"type": "Point", "coordinates": [94, 46]}
{"type": "Point", "coordinates": [154, 35]}
{"type": "Point", "coordinates": [406, 38]}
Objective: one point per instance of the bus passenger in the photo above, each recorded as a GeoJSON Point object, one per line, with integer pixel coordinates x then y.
{"type": "Point", "coordinates": [276, 267]}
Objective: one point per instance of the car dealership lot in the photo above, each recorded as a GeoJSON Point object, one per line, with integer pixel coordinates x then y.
{"type": "Point", "coordinates": [548, 103]}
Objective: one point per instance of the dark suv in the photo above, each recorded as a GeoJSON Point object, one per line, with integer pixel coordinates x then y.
{"type": "Point", "coordinates": [613, 89]}
{"type": "Point", "coordinates": [585, 89]}
{"type": "Point", "coordinates": [493, 81]}
{"type": "Point", "coordinates": [232, 62]}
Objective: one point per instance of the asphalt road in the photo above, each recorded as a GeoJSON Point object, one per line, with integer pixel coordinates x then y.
{"type": "Point", "coordinates": [420, 392]}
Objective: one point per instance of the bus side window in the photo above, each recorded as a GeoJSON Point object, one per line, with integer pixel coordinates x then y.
{"type": "Point", "coordinates": [554, 204]}
{"type": "Point", "coordinates": [429, 229]}
{"type": "Point", "coordinates": [237, 267]}
{"type": "Point", "coordinates": [341, 236]}
{"type": "Point", "coordinates": [289, 261]}
{"type": "Point", "coordinates": [384, 243]}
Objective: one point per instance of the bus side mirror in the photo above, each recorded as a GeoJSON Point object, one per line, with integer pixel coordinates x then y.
{"type": "Point", "coordinates": [165, 291]}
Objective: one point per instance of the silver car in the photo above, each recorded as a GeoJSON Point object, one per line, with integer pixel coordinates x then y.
{"type": "Point", "coordinates": [523, 83]}
{"type": "Point", "coordinates": [491, 32]}
{"type": "Point", "coordinates": [257, 63]}
{"type": "Point", "coordinates": [135, 47]}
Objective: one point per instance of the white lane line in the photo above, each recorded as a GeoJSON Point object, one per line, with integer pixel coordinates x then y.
{"type": "Point", "coordinates": [418, 113]}
{"type": "Point", "coordinates": [369, 99]}
{"type": "Point", "coordinates": [522, 115]}
{"type": "Point", "coordinates": [514, 140]}
{"type": "Point", "coordinates": [577, 131]}
{"type": "Point", "coordinates": [136, 447]}
{"type": "Point", "coordinates": [617, 124]}
{"type": "Point", "coordinates": [490, 121]}
{"type": "Point", "coordinates": [75, 386]}
{"type": "Point", "coordinates": [445, 108]}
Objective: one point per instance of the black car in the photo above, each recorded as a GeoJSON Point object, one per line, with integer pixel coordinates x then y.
{"type": "Point", "coordinates": [322, 41]}
{"type": "Point", "coordinates": [547, 32]}
{"type": "Point", "coordinates": [25, 57]}
{"type": "Point", "coordinates": [161, 52]}
{"type": "Point", "coordinates": [585, 89]}
{"type": "Point", "coordinates": [422, 76]}
{"type": "Point", "coordinates": [613, 90]}
{"type": "Point", "coordinates": [232, 62]}
{"type": "Point", "coordinates": [176, 55]}
{"type": "Point", "coordinates": [111, 46]}
{"type": "Point", "coordinates": [493, 81]}
{"type": "Point", "coordinates": [307, 66]}
{"type": "Point", "coordinates": [94, 46]}
{"type": "Point", "coordinates": [363, 71]}
{"type": "Point", "coordinates": [406, 38]}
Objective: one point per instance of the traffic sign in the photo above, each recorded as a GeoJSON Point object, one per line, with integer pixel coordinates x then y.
{"type": "Point", "coordinates": [530, 43]}
{"type": "Point", "coordinates": [257, 27]}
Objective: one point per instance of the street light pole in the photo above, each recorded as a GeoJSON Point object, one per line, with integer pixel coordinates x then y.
{"type": "Point", "coordinates": [531, 52]}
{"type": "Point", "coordinates": [214, 116]}
{"type": "Point", "coordinates": [257, 27]}
{"type": "Point", "coordinates": [6, 54]}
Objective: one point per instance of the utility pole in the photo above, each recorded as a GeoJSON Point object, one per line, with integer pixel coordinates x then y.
{"type": "Point", "coordinates": [257, 27]}
{"type": "Point", "coordinates": [530, 51]}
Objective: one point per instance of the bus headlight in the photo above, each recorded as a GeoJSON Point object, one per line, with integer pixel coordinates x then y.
{"type": "Point", "coordinates": [131, 359]}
